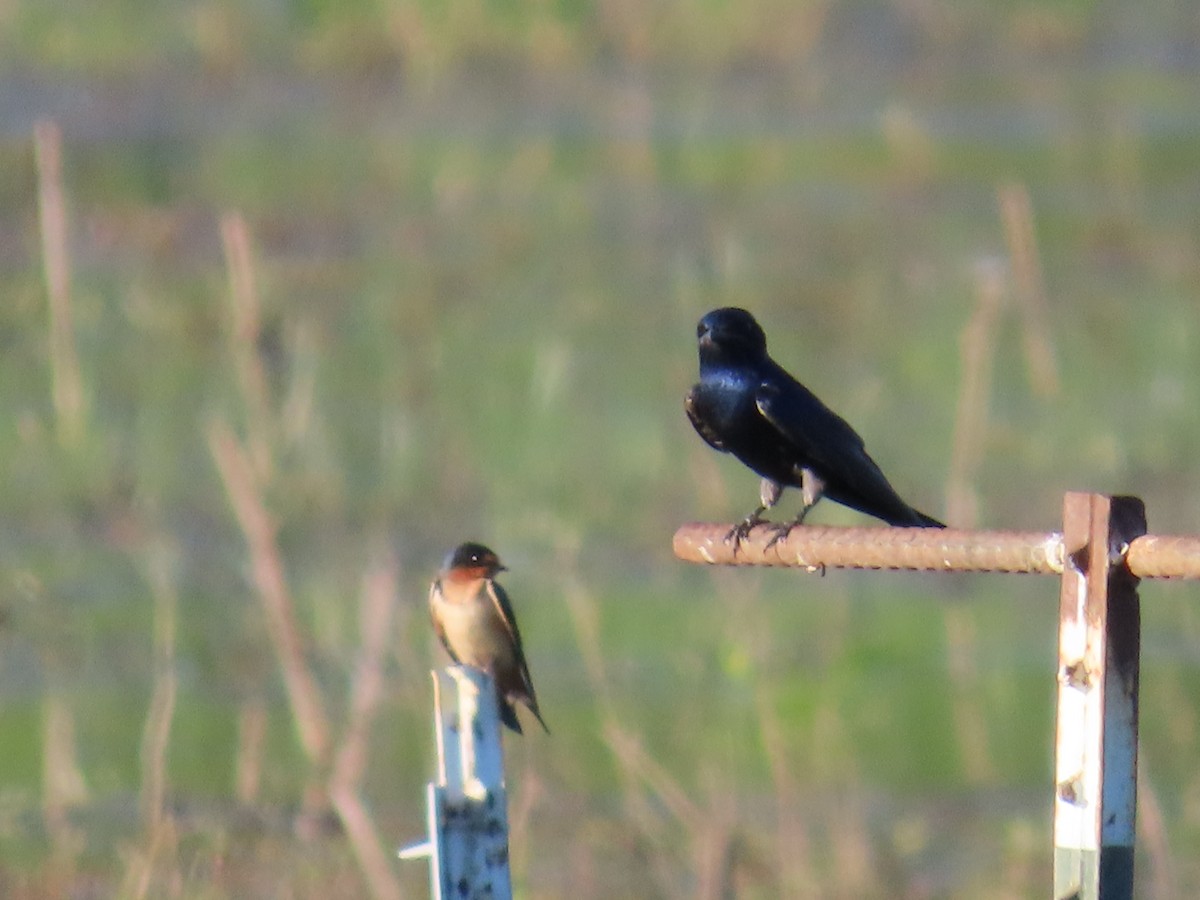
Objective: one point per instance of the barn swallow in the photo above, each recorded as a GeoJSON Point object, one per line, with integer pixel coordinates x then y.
{"type": "Point", "coordinates": [748, 405]}
{"type": "Point", "coordinates": [474, 620]}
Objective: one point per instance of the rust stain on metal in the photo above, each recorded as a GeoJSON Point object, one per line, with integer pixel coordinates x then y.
{"type": "Point", "coordinates": [1163, 556]}
{"type": "Point", "coordinates": [1071, 790]}
{"type": "Point", "coordinates": [815, 548]}
{"type": "Point", "coordinates": [915, 549]}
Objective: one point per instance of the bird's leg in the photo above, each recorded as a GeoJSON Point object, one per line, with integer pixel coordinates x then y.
{"type": "Point", "coordinates": [811, 489]}
{"type": "Point", "coordinates": [768, 493]}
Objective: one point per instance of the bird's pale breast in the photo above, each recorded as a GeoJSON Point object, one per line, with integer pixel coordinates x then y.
{"type": "Point", "coordinates": [474, 629]}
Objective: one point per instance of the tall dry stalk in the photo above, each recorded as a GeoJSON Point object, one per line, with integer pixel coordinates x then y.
{"type": "Point", "coordinates": [646, 788]}
{"type": "Point", "coordinates": [246, 312]}
{"type": "Point", "coordinates": [63, 783]}
{"type": "Point", "coordinates": [792, 863]}
{"type": "Point", "coordinates": [970, 723]}
{"type": "Point", "coordinates": [64, 361]}
{"type": "Point", "coordinates": [977, 350]}
{"type": "Point", "coordinates": [160, 835]}
{"type": "Point", "coordinates": [251, 743]}
{"type": "Point", "coordinates": [245, 494]}
{"type": "Point", "coordinates": [245, 470]}
{"type": "Point", "coordinates": [350, 761]}
{"type": "Point", "coordinates": [793, 846]}
{"type": "Point", "coordinates": [641, 813]}
{"type": "Point", "coordinates": [157, 732]}
{"type": "Point", "coordinates": [1016, 212]}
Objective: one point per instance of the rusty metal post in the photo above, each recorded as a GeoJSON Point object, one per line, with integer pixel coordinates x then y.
{"type": "Point", "coordinates": [1096, 743]}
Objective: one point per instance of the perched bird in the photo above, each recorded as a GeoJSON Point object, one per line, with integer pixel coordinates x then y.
{"type": "Point", "coordinates": [474, 620]}
{"type": "Point", "coordinates": [747, 405]}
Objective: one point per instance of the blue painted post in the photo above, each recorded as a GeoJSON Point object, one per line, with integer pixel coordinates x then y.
{"type": "Point", "coordinates": [467, 804]}
{"type": "Point", "coordinates": [1095, 800]}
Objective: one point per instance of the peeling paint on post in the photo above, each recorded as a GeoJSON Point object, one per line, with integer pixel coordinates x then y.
{"type": "Point", "coordinates": [468, 805]}
{"type": "Point", "coordinates": [1095, 796]}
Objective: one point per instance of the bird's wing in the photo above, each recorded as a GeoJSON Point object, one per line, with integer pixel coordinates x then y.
{"type": "Point", "coordinates": [504, 609]}
{"type": "Point", "coordinates": [829, 446]}
{"type": "Point", "coordinates": [796, 413]}
{"type": "Point", "coordinates": [435, 591]}
{"type": "Point", "coordinates": [691, 407]}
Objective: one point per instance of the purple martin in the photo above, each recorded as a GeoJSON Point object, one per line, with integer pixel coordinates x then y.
{"type": "Point", "coordinates": [748, 405]}
{"type": "Point", "coordinates": [474, 620]}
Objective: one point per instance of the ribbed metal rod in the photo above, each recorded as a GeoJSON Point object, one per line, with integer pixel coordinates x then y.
{"type": "Point", "coordinates": [922, 550]}
{"type": "Point", "coordinates": [1164, 556]}
{"type": "Point", "coordinates": [916, 549]}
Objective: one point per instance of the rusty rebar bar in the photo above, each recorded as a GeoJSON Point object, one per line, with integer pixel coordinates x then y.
{"type": "Point", "coordinates": [1164, 556]}
{"type": "Point", "coordinates": [923, 549]}
{"type": "Point", "coordinates": [915, 549]}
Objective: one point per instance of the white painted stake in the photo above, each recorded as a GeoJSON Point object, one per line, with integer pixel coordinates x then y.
{"type": "Point", "coordinates": [1095, 799]}
{"type": "Point", "coordinates": [468, 806]}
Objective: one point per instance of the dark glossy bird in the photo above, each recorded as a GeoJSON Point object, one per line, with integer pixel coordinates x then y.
{"type": "Point", "coordinates": [748, 405]}
{"type": "Point", "coordinates": [474, 620]}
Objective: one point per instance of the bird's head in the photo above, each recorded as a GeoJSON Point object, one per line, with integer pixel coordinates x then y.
{"type": "Point", "coordinates": [730, 335]}
{"type": "Point", "coordinates": [473, 559]}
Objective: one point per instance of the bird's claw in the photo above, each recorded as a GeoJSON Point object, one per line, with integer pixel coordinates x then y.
{"type": "Point", "coordinates": [742, 529]}
{"type": "Point", "coordinates": [781, 533]}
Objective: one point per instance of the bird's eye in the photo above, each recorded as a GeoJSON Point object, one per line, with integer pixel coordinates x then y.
{"type": "Point", "coordinates": [701, 329]}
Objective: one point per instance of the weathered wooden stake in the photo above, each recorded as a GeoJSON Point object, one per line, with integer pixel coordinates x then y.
{"type": "Point", "coordinates": [1095, 798]}
{"type": "Point", "coordinates": [468, 806]}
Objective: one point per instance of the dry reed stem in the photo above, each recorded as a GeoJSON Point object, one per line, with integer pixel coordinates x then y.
{"type": "Point", "coordinates": [633, 757]}
{"type": "Point", "coordinates": [639, 812]}
{"type": "Point", "coordinates": [238, 475]}
{"type": "Point", "coordinates": [716, 858]}
{"type": "Point", "coordinates": [792, 860]}
{"type": "Point", "coordinates": [251, 741]}
{"type": "Point", "coordinates": [160, 838]}
{"type": "Point", "coordinates": [157, 732]}
{"type": "Point", "coordinates": [246, 310]}
{"type": "Point", "coordinates": [63, 785]}
{"type": "Point", "coordinates": [855, 861]}
{"type": "Point", "coordinates": [962, 646]}
{"type": "Point", "coordinates": [793, 848]}
{"type": "Point", "coordinates": [349, 763]}
{"type": "Point", "coordinates": [63, 781]}
{"type": "Point", "coordinates": [977, 352]}
{"type": "Point", "coordinates": [141, 864]}
{"type": "Point", "coordinates": [241, 469]}
{"type": "Point", "coordinates": [1016, 212]}
{"type": "Point", "coordinates": [977, 348]}
{"type": "Point", "coordinates": [64, 361]}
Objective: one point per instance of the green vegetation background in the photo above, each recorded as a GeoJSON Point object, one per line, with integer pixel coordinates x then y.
{"type": "Point", "coordinates": [483, 232]}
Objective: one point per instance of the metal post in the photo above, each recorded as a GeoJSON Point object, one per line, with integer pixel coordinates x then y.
{"type": "Point", "coordinates": [468, 806]}
{"type": "Point", "coordinates": [1096, 744]}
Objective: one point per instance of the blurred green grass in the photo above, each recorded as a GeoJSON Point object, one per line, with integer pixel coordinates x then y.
{"type": "Point", "coordinates": [483, 233]}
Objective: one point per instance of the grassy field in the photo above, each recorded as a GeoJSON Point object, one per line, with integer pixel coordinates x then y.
{"type": "Point", "coordinates": [315, 291]}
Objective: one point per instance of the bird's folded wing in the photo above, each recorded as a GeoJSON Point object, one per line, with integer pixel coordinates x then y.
{"type": "Point", "coordinates": [825, 440]}
{"type": "Point", "coordinates": [699, 423]}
